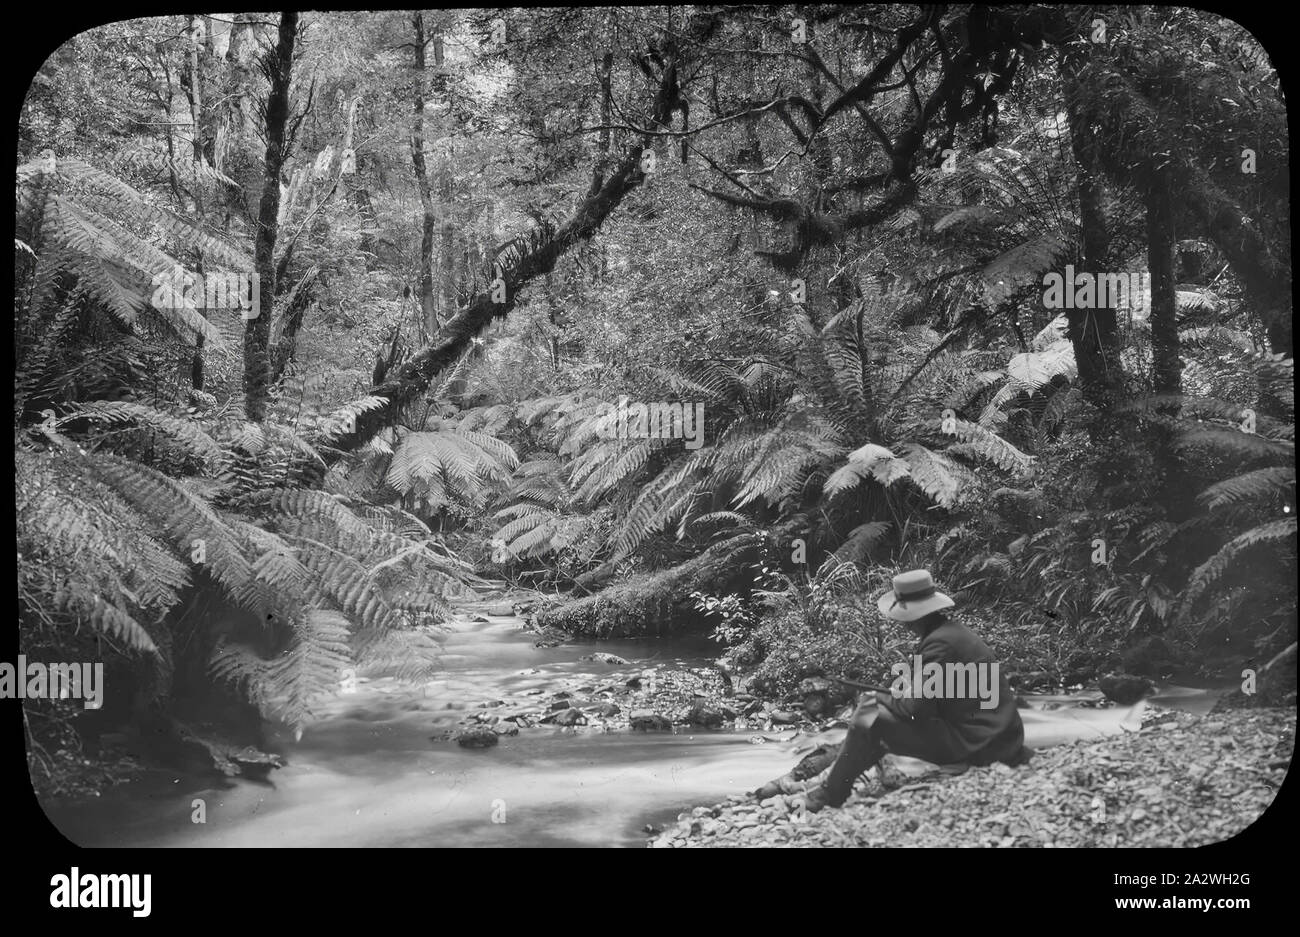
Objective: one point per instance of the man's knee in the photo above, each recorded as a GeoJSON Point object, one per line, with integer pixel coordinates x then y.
{"type": "Point", "coordinates": [867, 716]}
{"type": "Point", "coordinates": [863, 719]}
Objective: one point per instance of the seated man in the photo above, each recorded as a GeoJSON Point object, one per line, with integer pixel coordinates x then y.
{"type": "Point", "coordinates": [977, 724]}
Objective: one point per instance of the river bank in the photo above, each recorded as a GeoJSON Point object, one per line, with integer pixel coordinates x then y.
{"type": "Point", "coordinates": [1181, 779]}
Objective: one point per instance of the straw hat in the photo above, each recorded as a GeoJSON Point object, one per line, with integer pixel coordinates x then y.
{"type": "Point", "coordinates": [913, 596]}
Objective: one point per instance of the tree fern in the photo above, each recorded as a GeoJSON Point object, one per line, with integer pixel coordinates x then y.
{"type": "Point", "coordinates": [868, 461]}
{"type": "Point", "coordinates": [448, 466]}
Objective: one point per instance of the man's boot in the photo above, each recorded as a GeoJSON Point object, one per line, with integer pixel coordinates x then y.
{"type": "Point", "coordinates": [797, 778]}
{"type": "Point", "coordinates": [819, 798]}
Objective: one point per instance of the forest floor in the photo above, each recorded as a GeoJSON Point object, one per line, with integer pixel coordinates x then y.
{"type": "Point", "coordinates": [1182, 780]}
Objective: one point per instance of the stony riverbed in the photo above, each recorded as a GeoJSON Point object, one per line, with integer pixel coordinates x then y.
{"type": "Point", "coordinates": [1180, 780]}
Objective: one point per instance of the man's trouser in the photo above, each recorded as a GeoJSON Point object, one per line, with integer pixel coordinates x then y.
{"type": "Point", "coordinates": [874, 731]}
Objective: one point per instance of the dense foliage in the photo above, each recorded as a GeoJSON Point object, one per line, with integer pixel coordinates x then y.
{"type": "Point", "coordinates": [827, 230]}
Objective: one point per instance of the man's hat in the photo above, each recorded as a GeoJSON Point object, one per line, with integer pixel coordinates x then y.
{"type": "Point", "coordinates": [913, 596]}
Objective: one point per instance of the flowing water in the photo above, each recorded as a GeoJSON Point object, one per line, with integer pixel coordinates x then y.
{"type": "Point", "coordinates": [368, 773]}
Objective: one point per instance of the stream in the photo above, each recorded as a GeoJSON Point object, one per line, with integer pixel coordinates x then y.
{"type": "Point", "coordinates": [373, 771]}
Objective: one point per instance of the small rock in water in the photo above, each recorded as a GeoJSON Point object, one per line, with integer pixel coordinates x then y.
{"type": "Point", "coordinates": [476, 737]}
{"type": "Point", "coordinates": [602, 658]}
{"type": "Point", "coordinates": [500, 611]}
{"type": "Point", "coordinates": [505, 728]}
{"type": "Point", "coordinates": [252, 763]}
{"type": "Point", "coordinates": [784, 718]}
{"type": "Point", "coordinates": [567, 717]}
{"type": "Point", "coordinates": [606, 709]}
{"type": "Point", "coordinates": [1125, 688]}
{"type": "Point", "coordinates": [559, 704]}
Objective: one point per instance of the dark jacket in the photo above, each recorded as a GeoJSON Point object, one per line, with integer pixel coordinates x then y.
{"type": "Point", "coordinates": [976, 735]}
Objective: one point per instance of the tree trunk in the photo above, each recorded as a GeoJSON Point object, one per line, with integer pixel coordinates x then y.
{"type": "Point", "coordinates": [194, 89]}
{"type": "Point", "coordinates": [446, 192]}
{"type": "Point", "coordinates": [1267, 281]}
{"type": "Point", "coordinates": [257, 332]}
{"type": "Point", "coordinates": [428, 306]}
{"type": "Point", "coordinates": [1092, 332]}
{"type": "Point", "coordinates": [1166, 368]}
{"type": "Point", "coordinates": [292, 324]}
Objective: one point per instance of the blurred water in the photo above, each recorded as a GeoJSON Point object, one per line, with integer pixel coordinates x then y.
{"type": "Point", "coordinates": [368, 774]}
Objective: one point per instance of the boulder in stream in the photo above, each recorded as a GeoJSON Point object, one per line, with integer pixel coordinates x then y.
{"type": "Point", "coordinates": [647, 720]}
{"type": "Point", "coordinates": [567, 717]}
{"type": "Point", "coordinates": [476, 737]}
{"type": "Point", "coordinates": [1125, 688]}
{"type": "Point", "coordinates": [255, 764]}
{"type": "Point", "coordinates": [702, 714]}
{"type": "Point", "coordinates": [600, 657]}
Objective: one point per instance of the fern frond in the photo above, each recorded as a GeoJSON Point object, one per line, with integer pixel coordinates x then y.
{"type": "Point", "coordinates": [932, 473]}
{"type": "Point", "coordinates": [183, 430]}
{"type": "Point", "coordinates": [188, 519]}
{"type": "Point", "coordinates": [1250, 486]}
{"type": "Point", "coordinates": [861, 540]}
{"type": "Point", "coordinates": [1213, 569]}
{"type": "Point", "coordinates": [287, 686]}
{"type": "Point", "coordinates": [105, 616]}
{"type": "Point", "coordinates": [1235, 442]}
